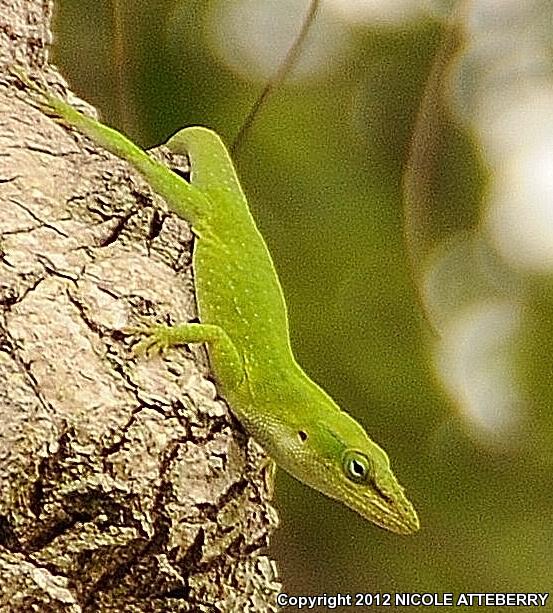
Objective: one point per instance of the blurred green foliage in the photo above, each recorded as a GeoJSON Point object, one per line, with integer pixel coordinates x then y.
{"type": "Point", "coordinates": [323, 169]}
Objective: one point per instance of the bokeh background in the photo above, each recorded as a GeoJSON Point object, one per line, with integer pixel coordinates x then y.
{"type": "Point", "coordinates": [403, 179]}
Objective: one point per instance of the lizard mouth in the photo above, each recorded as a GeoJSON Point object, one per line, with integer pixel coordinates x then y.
{"type": "Point", "coordinates": [396, 515]}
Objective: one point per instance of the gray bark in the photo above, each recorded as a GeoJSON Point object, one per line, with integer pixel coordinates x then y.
{"type": "Point", "coordinates": [125, 484]}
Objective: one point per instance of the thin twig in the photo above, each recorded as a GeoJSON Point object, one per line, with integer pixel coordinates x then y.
{"type": "Point", "coordinates": [283, 70]}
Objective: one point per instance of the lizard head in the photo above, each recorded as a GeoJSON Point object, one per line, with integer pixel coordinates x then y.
{"type": "Point", "coordinates": [333, 454]}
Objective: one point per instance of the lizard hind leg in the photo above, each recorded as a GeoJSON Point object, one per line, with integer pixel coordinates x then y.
{"type": "Point", "coordinates": [184, 199]}
{"type": "Point", "coordinates": [223, 355]}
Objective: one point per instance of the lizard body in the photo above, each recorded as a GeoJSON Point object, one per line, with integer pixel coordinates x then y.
{"type": "Point", "coordinates": [244, 323]}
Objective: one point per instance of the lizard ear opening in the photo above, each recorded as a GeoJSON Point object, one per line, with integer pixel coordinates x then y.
{"type": "Point", "coordinates": [302, 435]}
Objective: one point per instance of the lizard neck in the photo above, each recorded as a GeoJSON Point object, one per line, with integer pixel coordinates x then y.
{"type": "Point", "coordinates": [286, 395]}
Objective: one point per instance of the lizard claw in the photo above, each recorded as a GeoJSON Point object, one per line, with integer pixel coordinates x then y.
{"type": "Point", "coordinates": [40, 97]}
{"type": "Point", "coordinates": [155, 339]}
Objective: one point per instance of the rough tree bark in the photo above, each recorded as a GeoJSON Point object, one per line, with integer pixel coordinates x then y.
{"type": "Point", "coordinates": [125, 484]}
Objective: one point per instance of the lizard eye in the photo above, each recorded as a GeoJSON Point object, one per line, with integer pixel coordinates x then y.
{"type": "Point", "coordinates": [356, 466]}
{"type": "Point", "coordinates": [302, 435]}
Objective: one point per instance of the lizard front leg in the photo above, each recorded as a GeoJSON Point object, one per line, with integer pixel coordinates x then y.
{"type": "Point", "coordinates": [224, 357]}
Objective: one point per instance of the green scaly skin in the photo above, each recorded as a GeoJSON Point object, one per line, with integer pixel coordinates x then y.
{"type": "Point", "coordinates": [244, 324]}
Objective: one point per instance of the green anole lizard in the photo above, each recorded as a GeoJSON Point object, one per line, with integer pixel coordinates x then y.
{"type": "Point", "coordinates": [244, 325]}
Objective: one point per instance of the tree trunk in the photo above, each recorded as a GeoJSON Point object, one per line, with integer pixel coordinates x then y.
{"type": "Point", "coordinates": [125, 484]}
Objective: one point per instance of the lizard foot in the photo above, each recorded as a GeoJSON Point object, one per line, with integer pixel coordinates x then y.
{"type": "Point", "coordinates": [156, 339]}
